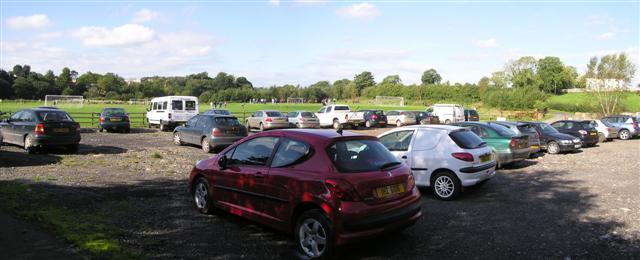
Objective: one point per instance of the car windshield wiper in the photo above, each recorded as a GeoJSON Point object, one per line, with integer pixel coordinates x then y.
{"type": "Point", "coordinates": [482, 144]}
{"type": "Point", "coordinates": [387, 165]}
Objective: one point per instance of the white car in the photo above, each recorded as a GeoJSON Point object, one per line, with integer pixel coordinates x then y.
{"type": "Point", "coordinates": [445, 158]}
{"type": "Point", "coordinates": [605, 132]}
{"type": "Point", "coordinates": [171, 111]}
{"type": "Point", "coordinates": [448, 113]}
{"type": "Point", "coordinates": [338, 116]}
{"type": "Point", "coordinates": [400, 117]}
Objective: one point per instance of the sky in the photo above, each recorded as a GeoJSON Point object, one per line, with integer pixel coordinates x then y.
{"type": "Point", "coordinates": [275, 42]}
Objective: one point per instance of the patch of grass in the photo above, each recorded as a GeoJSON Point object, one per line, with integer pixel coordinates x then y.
{"type": "Point", "coordinates": [156, 155]}
{"type": "Point", "coordinates": [89, 231]}
{"type": "Point", "coordinates": [586, 102]}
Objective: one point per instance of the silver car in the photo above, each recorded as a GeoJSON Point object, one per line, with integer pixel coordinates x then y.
{"type": "Point", "coordinates": [605, 131]}
{"type": "Point", "coordinates": [401, 117]}
{"type": "Point", "coordinates": [266, 119]}
{"type": "Point", "coordinates": [303, 119]}
{"type": "Point", "coordinates": [626, 126]}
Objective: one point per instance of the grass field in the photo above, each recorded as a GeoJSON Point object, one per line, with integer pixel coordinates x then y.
{"type": "Point", "coordinates": [574, 101]}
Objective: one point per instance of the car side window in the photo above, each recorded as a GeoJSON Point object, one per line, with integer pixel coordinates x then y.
{"type": "Point", "coordinates": [290, 152]}
{"type": "Point", "coordinates": [26, 117]}
{"type": "Point", "coordinates": [254, 152]}
{"type": "Point", "coordinates": [558, 125]}
{"type": "Point", "coordinates": [258, 114]}
{"type": "Point", "coordinates": [203, 121]}
{"type": "Point", "coordinates": [192, 122]}
{"type": "Point", "coordinates": [16, 117]}
{"type": "Point", "coordinates": [328, 109]}
{"type": "Point", "coordinates": [569, 125]}
{"type": "Point", "coordinates": [321, 110]}
{"type": "Point", "coordinates": [483, 132]}
{"type": "Point", "coordinates": [397, 141]}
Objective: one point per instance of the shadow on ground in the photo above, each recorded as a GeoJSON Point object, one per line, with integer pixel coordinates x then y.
{"type": "Point", "coordinates": [515, 215]}
{"type": "Point", "coordinates": [23, 159]}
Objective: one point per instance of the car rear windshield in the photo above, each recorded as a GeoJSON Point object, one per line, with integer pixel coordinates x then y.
{"type": "Point", "coordinates": [308, 115]}
{"type": "Point", "coordinates": [274, 114]}
{"type": "Point", "coordinates": [176, 105]}
{"type": "Point", "coordinates": [190, 105]}
{"type": "Point", "coordinates": [409, 113]}
{"type": "Point", "coordinates": [588, 124]}
{"type": "Point", "coordinates": [54, 116]}
{"type": "Point", "coordinates": [503, 131]}
{"type": "Point", "coordinates": [527, 129]}
{"type": "Point", "coordinates": [360, 156]}
{"type": "Point", "coordinates": [341, 108]}
{"type": "Point", "coordinates": [114, 111]}
{"type": "Point", "coordinates": [466, 139]}
{"type": "Point", "coordinates": [227, 121]}
{"type": "Point", "coordinates": [472, 112]}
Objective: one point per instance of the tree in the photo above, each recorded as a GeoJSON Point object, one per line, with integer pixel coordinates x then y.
{"type": "Point", "coordinates": [64, 80]}
{"type": "Point", "coordinates": [362, 81]}
{"type": "Point", "coordinates": [483, 84]}
{"type": "Point", "coordinates": [23, 88]}
{"type": "Point", "coordinates": [523, 72]}
{"type": "Point", "coordinates": [431, 76]}
{"type": "Point", "coordinates": [392, 79]}
{"type": "Point", "coordinates": [554, 75]}
{"type": "Point", "coordinates": [610, 77]}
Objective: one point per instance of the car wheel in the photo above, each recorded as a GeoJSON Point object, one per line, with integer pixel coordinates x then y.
{"type": "Point", "coordinates": [127, 130]}
{"type": "Point", "coordinates": [162, 127]}
{"type": "Point", "coordinates": [73, 148]}
{"type": "Point", "coordinates": [446, 186]}
{"type": "Point", "coordinates": [100, 129]}
{"type": "Point", "coordinates": [624, 134]}
{"type": "Point", "coordinates": [28, 144]}
{"type": "Point", "coordinates": [601, 137]}
{"type": "Point", "coordinates": [447, 121]}
{"type": "Point", "coordinates": [205, 145]}
{"type": "Point", "coordinates": [201, 197]}
{"type": "Point", "coordinates": [496, 158]}
{"type": "Point", "coordinates": [261, 127]}
{"type": "Point", "coordinates": [336, 124]}
{"type": "Point", "coordinates": [247, 125]}
{"type": "Point", "coordinates": [367, 124]}
{"type": "Point", "coordinates": [314, 235]}
{"type": "Point", "coordinates": [177, 140]}
{"type": "Point", "coordinates": [398, 123]}
{"type": "Point", "coordinates": [298, 125]}
{"type": "Point", "coordinates": [553, 147]}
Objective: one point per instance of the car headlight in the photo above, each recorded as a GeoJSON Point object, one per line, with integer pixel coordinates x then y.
{"type": "Point", "coordinates": [565, 141]}
{"type": "Point", "coordinates": [576, 140]}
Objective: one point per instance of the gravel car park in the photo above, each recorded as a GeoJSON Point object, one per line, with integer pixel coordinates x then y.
{"type": "Point", "coordinates": [577, 205]}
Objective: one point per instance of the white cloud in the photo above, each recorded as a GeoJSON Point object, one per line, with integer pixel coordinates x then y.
{"type": "Point", "coordinates": [144, 15]}
{"type": "Point", "coordinates": [607, 36]}
{"type": "Point", "coordinates": [274, 2]}
{"type": "Point", "coordinates": [49, 35]}
{"type": "Point", "coordinates": [36, 21]}
{"type": "Point", "coordinates": [486, 43]}
{"type": "Point", "coordinates": [310, 2]}
{"type": "Point", "coordinates": [363, 11]}
{"type": "Point", "coordinates": [122, 35]}
{"type": "Point", "coordinates": [12, 46]}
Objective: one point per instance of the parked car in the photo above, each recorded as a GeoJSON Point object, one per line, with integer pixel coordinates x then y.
{"type": "Point", "coordinates": [581, 129]}
{"type": "Point", "coordinates": [171, 111]}
{"type": "Point", "coordinates": [471, 115]}
{"type": "Point", "coordinates": [266, 119]}
{"type": "Point", "coordinates": [38, 128]}
{"type": "Point", "coordinates": [555, 142]}
{"type": "Point", "coordinates": [605, 132]}
{"type": "Point", "coordinates": [338, 116]}
{"type": "Point", "coordinates": [507, 146]}
{"type": "Point", "coordinates": [115, 119]}
{"type": "Point", "coordinates": [627, 126]}
{"type": "Point", "coordinates": [448, 113]}
{"type": "Point", "coordinates": [211, 132]}
{"type": "Point", "coordinates": [401, 117]}
{"type": "Point", "coordinates": [443, 157]}
{"type": "Point", "coordinates": [328, 188]}
{"type": "Point", "coordinates": [303, 119]}
{"type": "Point", "coordinates": [374, 118]}
{"type": "Point", "coordinates": [223, 112]}
{"type": "Point", "coordinates": [524, 129]}
{"type": "Point", "coordinates": [426, 118]}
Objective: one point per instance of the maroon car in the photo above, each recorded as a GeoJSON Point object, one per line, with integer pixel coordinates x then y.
{"type": "Point", "coordinates": [326, 187]}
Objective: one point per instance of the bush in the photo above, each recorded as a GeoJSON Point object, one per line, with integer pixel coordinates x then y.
{"type": "Point", "coordinates": [514, 98]}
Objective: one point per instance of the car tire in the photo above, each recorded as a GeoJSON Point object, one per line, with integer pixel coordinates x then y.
{"type": "Point", "coordinates": [367, 124]}
{"type": "Point", "coordinates": [28, 144]}
{"type": "Point", "coordinates": [246, 123]}
{"type": "Point", "coordinates": [445, 186]}
{"type": "Point", "coordinates": [206, 147]}
{"type": "Point", "coordinates": [497, 159]}
{"type": "Point", "coordinates": [314, 236]}
{"type": "Point", "coordinates": [336, 124]}
{"type": "Point", "coordinates": [261, 127]}
{"type": "Point", "coordinates": [201, 199]}
{"type": "Point", "coordinates": [177, 140]}
{"type": "Point", "coordinates": [398, 123]}
{"type": "Point", "coordinates": [100, 129]}
{"type": "Point", "coordinates": [73, 148]}
{"type": "Point", "coordinates": [127, 130]}
{"type": "Point", "coordinates": [553, 147]}
{"type": "Point", "coordinates": [624, 134]}
{"type": "Point", "coordinates": [162, 127]}
{"type": "Point", "coordinates": [447, 121]}
{"type": "Point", "coordinates": [298, 125]}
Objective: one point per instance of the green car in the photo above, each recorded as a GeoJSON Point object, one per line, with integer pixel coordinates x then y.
{"type": "Point", "coordinates": [507, 146]}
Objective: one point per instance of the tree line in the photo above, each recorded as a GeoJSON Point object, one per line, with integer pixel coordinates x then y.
{"type": "Point", "coordinates": [523, 84]}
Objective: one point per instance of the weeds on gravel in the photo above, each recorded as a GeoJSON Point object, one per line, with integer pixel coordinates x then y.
{"type": "Point", "coordinates": [89, 231]}
{"type": "Point", "coordinates": [156, 155]}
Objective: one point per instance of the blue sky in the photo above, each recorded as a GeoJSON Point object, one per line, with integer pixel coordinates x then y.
{"type": "Point", "coordinates": [302, 42]}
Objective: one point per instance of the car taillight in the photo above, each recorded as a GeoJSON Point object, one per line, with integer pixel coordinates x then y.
{"type": "Point", "coordinates": [402, 113]}
{"type": "Point", "coordinates": [101, 119]}
{"type": "Point", "coordinates": [341, 190]}
{"type": "Point", "coordinates": [169, 115]}
{"type": "Point", "coordinates": [268, 119]}
{"type": "Point", "coordinates": [582, 132]}
{"type": "Point", "coordinates": [216, 132]}
{"type": "Point", "coordinates": [301, 120]}
{"type": "Point", "coordinates": [410, 182]}
{"type": "Point", "coordinates": [467, 157]}
{"type": "Point", "coordinates": [512, 143]}
{"type": "Point", "coordinates": [39, 129]}
{"type": "Point", "coordinates": [374, 117]}
{"type": "Point", "coordinates": [635, 124]}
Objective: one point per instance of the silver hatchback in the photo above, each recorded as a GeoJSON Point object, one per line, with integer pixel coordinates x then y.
{"type": "Point", "coordinates": [266, 119]}
{"type": "Point", "coordinates": [303, 119]}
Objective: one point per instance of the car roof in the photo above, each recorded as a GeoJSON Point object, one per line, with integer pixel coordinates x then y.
{"type": "Point", "coordinates": [217, 115]}
{"type": "Point", "coordinates": [316, 135]}
{"type": "Point", "coordinates": [268, 110]}
{"type": "Point", "coordinates": [448, 128]}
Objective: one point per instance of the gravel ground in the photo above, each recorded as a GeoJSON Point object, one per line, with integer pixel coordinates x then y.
{"type": "Point", "coordinates": [579, 205]}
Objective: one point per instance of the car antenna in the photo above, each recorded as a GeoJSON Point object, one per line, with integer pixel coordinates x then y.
{"type": "Point", "coordinates": [339, 131]}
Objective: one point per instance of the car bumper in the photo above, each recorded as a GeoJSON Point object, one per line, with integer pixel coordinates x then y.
{"type": "Point", "coordinates": [470, 176]}
{"type": "Point", "coordinates": [589, 140]}
{"type": "Point", "coordinates": [534, 149]}
{"type": "Point", "coordinates": [570, 147]}
{"type": "Point", "coordinates": [612, 135]}
{"type": "Point", "coordinates": [276, 125]}
{"type": "Point", "coordinates": [115, 125]}
{"type": "Point", "coordinates": [309, 125]}
{"type": "Point", "coordinates": [514, 156]}
{"type": "Point", "coordinates": [358, 220]}
{"type": "Point", "coordinates": [41, 140]}
{"type": "Point", "coordinates": [223, 141]}
{"type": "Point", "coordinates": [173, 123]}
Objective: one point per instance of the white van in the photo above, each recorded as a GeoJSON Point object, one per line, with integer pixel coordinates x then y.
{"type": "Point", "coordinates": [448, 113]}
{"type": "Point", "coordinates": [171, 111]}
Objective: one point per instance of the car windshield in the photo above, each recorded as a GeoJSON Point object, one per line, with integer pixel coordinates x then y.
{"type": "Point", "coordinates": [472, 112]}
{"type": "Point", "coordinates": [527, 129]}
{"type": "Point", "coordinates": [227, 121]}
{"type": "Point", "coordinates": [54, 116]}
{"type": "Point", "coordinates": [217, 112]}
{"type": "Point", "coordinates": [114, 111]}
{"type": "Point", "coordinates": [308, 115]}
{"type": "Point", "coordinates": [503, 131]}
{"type": "Point", "coordinates": [547, 129]}
{"type": "Point", "coordinates": [360, 156]}
{"type": "Point", "coordinates": [341, 108]}
{"type": "Point", "coordinates": [274, 113]}
{"type": "Point", "coordinates": [379, 112]}
{"type": "Point", "coordinates": [466, 139]}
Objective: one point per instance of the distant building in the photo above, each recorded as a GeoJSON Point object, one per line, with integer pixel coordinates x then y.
{"type": "Point", "coordinates": [605, 84]}
{"type": "Point", "coordinates": [132, 80]}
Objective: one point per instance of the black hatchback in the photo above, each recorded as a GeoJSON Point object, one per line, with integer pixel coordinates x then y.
{"type": "Point", "coordinates": [114, 119]}
{"type": "Point", "coordinates": [38, 128]}
{"type": "Point", "coordinates": [210, 131]}
{"type": "Point", "coordinates": [374, 118]}
{"type": "Point", "coordinates": [555, 142]}
{"type": "Point", "coordinates": [581, 129]}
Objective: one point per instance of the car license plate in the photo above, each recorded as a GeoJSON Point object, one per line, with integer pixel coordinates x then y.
{"type": "Point", "coordinates": [577, 146]}
{"type": "Point", "coordinates": [115, 119]}
{"type": "Point", "coordinates": [61, 130]}
{"type": "Point", "coordinates": [485, 158]}
{"type": "Point", "coordinates": [593, 134]}
{"type": "Point", "coordinates": [535, 147]}
{"type": "Point", "coordinates": [387, 191]}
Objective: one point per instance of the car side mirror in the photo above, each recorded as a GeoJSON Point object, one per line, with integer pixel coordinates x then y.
{"type": "Point", "coordinates": [222, 162]}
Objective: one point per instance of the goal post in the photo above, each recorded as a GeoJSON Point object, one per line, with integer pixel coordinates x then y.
{"type": "Point", "coordinates": [53, 100]}
{"type": "Point", "coordinates": [295, 100]}
{"type": "Point", "coordinates": [389, 101]}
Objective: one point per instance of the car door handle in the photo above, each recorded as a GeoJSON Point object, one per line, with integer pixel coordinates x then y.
{"type": "Point", "coordinates": [404, 157]}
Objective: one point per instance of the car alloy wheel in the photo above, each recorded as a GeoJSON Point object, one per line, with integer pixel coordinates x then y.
{"type": "Point", "coordinates": [444, 186]}
{"type": "Point", "coordinates": [176, 138]}
{"type": "Point", "coordinates": [398, 123]}
{"type": "Point", "coordinates": [261, 127]}
{"type": "Point", "coordinates": [205, 145]}
{"type": "Point", "coordinates": [312, 237]}
{"type": "Point", "coordinates": [201, 196]}
{"type": "Point", "coordinates": [336, 124]}
{"type": "Point", "coordinates": [367, 124]}
{"type": "Point", "coordinates": [553, 148]}
{"type": "Point", "coordinates": [601, 137]}
{"type": "Point", "coordinates": [624, 134]}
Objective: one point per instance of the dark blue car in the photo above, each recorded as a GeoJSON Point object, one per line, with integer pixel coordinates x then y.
{"type": "Point", "coordinates": [114, 119]}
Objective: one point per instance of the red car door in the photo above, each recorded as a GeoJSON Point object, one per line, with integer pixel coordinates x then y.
{"type": "Point", "coordinates": [240, 186]}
